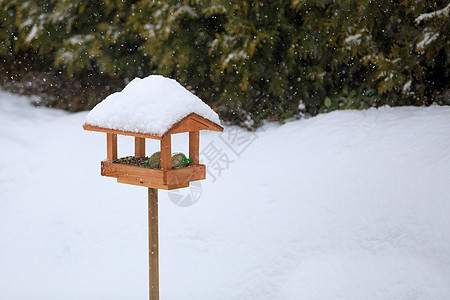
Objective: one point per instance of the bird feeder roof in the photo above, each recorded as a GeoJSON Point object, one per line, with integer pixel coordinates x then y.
{"type": "Point", "coordinates": [152, 107]}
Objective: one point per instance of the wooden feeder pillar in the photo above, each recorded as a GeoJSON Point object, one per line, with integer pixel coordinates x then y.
{"type": "Point", "coordinates": [166, 152]}
{"type": "Point", "coordinates": [153, 255]}
{"type": "Point", "coordinates": [111, 146]}
{"type": "Point", "coordinates": [139, 147]}
{"type": "Point", "coordinates": [194, 145]}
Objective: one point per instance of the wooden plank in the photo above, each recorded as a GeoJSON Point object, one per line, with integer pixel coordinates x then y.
{"type": "Point", "coordinates": [114, 131]}
{"type": "Point", "coordinates": [166, 153]}
{"type": "Point", "coordinates": [189, 125]}
{"type": "Point", "coordinates": [111, 146]}
{"type": "Point", "coordinates": [194, 144]}
{"type": "Point", "coordinates": [153, 255]}
{"type": "Point", "coordinates": [152, 185]}
{"type": "Point", "coordinates": [182, 175]}
{"type": "Point", "coordinates": [139, 147]}
{"type": "Point", "coordinates": [211, 125]}
{"type": "Point", "coordinates": [193, 122]}
{"type": "Point", "coordinates": [199, 123]}
{"type": "Point", "coordinates": [161, 179]}
{"type": "Point", "coordinates": [133, 173]}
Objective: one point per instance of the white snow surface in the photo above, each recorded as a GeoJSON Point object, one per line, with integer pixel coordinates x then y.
{"type": "Point", "coordinates": [428, 37]}
{"type": "Point", "coordinates": [149, 105]}
{"type": "Point", "coordinates": [444, 11]}
{"type": "Point", "coordinates": [345, 205]}
{"type": "Point", "coordinates": [354, 39]}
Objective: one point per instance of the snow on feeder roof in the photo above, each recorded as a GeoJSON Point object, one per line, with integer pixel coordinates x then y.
{"type": "Point", "coordinates": [152, 107]}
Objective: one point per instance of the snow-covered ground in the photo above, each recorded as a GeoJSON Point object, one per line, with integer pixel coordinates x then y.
{"type": "Point", "coordinates": [346, 205]}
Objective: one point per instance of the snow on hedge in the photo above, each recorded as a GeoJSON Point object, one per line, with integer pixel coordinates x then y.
{"type": "Point", "coordinates": [433, 14]}
{"type": "Point", "coordinates": [149, 105]}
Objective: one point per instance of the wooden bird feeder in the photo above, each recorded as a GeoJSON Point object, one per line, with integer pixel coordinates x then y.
{"type": "Point", "coordinates": [166, 177]}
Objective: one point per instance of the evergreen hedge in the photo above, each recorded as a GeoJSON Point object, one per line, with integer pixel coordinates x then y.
{"type": "Point", "coordinates": [250, 60]}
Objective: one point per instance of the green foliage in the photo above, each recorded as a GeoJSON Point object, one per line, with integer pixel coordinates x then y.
{"type": "Point", "coordinates": [250, 60]}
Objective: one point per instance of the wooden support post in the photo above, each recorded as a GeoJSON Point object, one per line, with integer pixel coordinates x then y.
{"type": "Point", "coordinates": [111, 146]}
{"type": "Point", "coordinates": [166, 155]}
{"type": "Point", "coordinates": [153, 243]}
{"type": "Point", "coordinates": [194, 144]}
{"type": "Point", "coordinates": [139, 147]}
